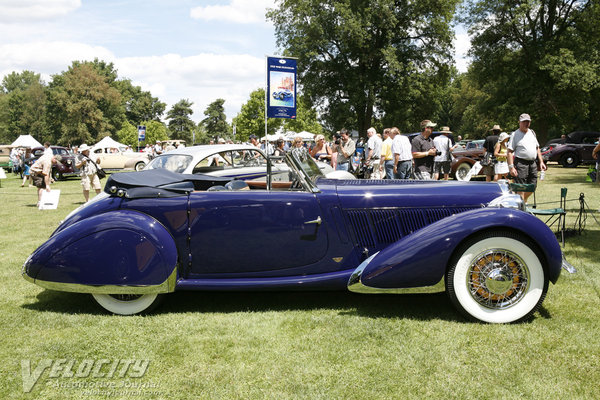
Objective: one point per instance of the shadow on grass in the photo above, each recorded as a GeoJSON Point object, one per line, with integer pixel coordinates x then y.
{"type": "Point", "coordinates": [411, 306]}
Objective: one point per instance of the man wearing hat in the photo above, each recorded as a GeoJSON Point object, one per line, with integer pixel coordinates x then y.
{"type": "Point", "coordinates": [40, 172]}
{"type": "Point", "coordinates": [523, 150]}
{"type": "Point", "coordinates": [441, 162]}
{"type": "Point", "coordinates": [88, 171]}
{"type": "Point", "coordinates": [158, 148]}
{"type": "Point", "coordinates": [254, 140]}
{"type": "Point", "coordinates": [423, 151]}
{"type": "Point", "coordinates": [489, 161]}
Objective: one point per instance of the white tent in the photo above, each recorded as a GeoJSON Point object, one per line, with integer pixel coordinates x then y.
{"type": "Point", "coordinates": [107, 141]}
{"type": "Point", "coordinates": [272, 138]}
{"type": "Point", "coordinates": [306, 136]}
{"type": "Point", "coordinates": [26, 141]}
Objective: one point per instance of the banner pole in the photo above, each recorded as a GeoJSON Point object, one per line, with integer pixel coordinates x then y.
{"type": "Point", "coordinates": [268, 183]}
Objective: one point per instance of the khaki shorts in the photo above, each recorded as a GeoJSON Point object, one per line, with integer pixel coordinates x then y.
{"type": "Point", "coordinates": [87, 181]}
{"type": "Point", "coordinates": [38, 180]}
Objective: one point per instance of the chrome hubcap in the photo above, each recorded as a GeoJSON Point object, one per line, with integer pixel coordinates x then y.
{"type": "Point", "coordinates": [497, 279]}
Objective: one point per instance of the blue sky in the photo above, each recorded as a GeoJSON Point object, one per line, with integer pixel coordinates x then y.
{"type": "Point", "coordinates": [177, 49]}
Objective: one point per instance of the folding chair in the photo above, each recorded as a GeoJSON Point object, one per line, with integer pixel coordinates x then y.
{"type": "Point", "coordinates": [554, 215]}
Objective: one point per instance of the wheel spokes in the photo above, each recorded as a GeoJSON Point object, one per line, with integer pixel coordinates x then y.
{"type": "Point", "coordinates": [497, 279]}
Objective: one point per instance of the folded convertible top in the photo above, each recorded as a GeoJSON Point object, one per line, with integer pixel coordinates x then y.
{"type": "Point", "coordinates": [158, 183]}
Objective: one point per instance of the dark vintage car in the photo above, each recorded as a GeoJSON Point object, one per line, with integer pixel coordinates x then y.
{"type": "Point", "coordinates": [155, 232]}
{"type": "Point", "coordinates": [59, 170]}
{"type": "Point", "coordinates": [463, 160]}
{"type": "Point", "coordinates": [573, 150]}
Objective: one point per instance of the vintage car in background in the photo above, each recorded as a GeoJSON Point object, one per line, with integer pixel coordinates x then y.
{"type": "Point", "coordinates": [241, 161]}
{"type": "Point", "coordinates": [573, 150]}
{"type": "Point", "coordinates": [463, 160]}
{"type": "Point", "coordinates": [5, 156]}
{"type": "Point", "coordinates": [154, 232]}
{"type": "Point", "coordinates": [63, 169]}
{"type": "Point", "coordinates": [115, 158]}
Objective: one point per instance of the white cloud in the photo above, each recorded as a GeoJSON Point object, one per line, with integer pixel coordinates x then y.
{"type": "Point", "coordinates": [47, 58]}
{"type": "Point", "coordinates": [201, 78]}
{"type": "Point", "coordinates": [237, 11]}
{"type": "Point", "coordinates": [35, 10]}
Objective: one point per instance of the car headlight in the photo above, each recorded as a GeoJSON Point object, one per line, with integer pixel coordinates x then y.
{"type": "Point", "coordinates": [508, 200]}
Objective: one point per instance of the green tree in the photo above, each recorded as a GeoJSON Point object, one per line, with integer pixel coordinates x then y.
{"type": "Point", "coordinates": [83, 106]}
{"type": "Point", "coordinates": [536, 56]}
{"type": "Point", "coordinates": [139, 105]}
{"type": "Point", "coordinates": [216, 120]}
{"type": "Point", "coordinates": [306, 118]}
{"type": "Point", "coordinates": [155, 130]}
{"type": "Point", "coordinates": [24, 105]}
{"type": "Point", "coordinates": [128, 134]}
{"type": "Point", "coordinates": [251, 119]}
{"type": "Point", "coordinates": [180, 123]}
{"type": "Point", "coordinates": [353, 53]}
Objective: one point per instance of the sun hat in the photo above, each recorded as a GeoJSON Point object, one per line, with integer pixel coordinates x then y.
{"type": "Point", "coordinates": [445, 129]}
{"type": "Point", "coordinates": [83, 148]}
{"type": "Point", "coordinates": [503, 136]}
{"type": "Point", "coordinates": [495, 128]}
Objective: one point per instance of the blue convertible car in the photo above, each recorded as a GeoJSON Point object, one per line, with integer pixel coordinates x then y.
{"type": "Point", "coordinates": [155, 232]}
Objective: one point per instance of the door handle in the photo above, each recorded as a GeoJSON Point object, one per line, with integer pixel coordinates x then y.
{"type": "Point", "coordinates": [315, 221]}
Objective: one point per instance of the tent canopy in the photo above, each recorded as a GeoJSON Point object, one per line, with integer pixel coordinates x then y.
{"type": "Point", "coordinates": [26, 141]}
{"type": "Point", "coordinates": [107, 141]}
{"type": "Point", "coordinates": [306, 136]}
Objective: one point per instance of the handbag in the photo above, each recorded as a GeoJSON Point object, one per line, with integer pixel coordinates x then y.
{"type": "Point", "coordinates": [99, 171]}
{"type": "Point", "coordinates": [487, 160]}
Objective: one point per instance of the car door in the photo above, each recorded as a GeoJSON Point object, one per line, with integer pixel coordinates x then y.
{"type": "Point", "coordinates": [588, 142]}
{"type": "Point", "coordinates": [250, 231]}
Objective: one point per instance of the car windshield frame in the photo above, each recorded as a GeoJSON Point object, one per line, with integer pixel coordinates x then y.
{"type": "Point", "coordinates": [305, 168]}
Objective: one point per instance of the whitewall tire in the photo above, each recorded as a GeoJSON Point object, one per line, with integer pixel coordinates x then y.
{"type": "Point", "coordinates": [497, 278]}
{"type": "Point", "coordinates": [128, 304]}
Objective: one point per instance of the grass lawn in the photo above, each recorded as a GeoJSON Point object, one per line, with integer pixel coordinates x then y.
{"type": "Point", "coordinates": [297, 345]}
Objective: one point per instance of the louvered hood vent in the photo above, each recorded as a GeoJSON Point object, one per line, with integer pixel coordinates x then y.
{"type": "Point", "coordinates": [380, 227]}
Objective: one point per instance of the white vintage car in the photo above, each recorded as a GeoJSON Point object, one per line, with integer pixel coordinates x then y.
{"type": "Point", "coordinates": [241, 161]}
{"type": "Point", "coordinates": [112, 157]}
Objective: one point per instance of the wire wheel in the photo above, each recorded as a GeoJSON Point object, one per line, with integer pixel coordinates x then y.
{"type": "Point", "coordinates": [498, 279]}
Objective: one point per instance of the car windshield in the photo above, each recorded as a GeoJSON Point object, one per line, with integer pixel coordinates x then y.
{"type": "Point", "coordinates": [172, 162]}
{"type": "Point", "coordinates": [303, 164]}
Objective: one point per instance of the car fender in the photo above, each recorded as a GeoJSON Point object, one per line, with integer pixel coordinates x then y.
{"type": "Point", "coordinates": [421, 259]}
{"type": "Point", "coordinates": [121, 248]}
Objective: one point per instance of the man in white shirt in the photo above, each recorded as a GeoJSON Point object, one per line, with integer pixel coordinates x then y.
{"type": "Point", "coordinates": [403, 159]}
{"type": "Point", "coordinates": [374, 152]}
{"type": "Point", "coordinates": [523, 150]}
{"type": "Point", "coordinates": [441, 162]}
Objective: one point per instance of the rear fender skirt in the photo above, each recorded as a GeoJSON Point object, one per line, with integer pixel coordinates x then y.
{"type": "Point", "coordinates": [116, 249]}
{"type": "Point", "coordinates": [421, 259]}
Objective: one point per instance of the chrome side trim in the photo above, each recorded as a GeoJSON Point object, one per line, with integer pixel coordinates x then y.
{"type": "Point", "coordinates": [167, 286]}
{"type": "Point", "coordinates": [355, 285]}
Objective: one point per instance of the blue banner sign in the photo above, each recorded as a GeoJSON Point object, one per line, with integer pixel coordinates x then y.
{"type": "Point", "coordinates": [281, 87]}
{"type": "Point", "coordinates": [141, 133]}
